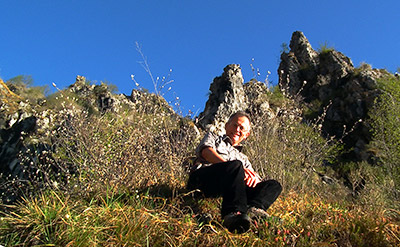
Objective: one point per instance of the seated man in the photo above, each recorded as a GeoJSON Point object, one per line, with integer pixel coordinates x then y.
{"type": "Point", "coordinates": [222, 170]}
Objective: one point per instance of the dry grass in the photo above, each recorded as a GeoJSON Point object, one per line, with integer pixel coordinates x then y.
{"type": "Point", "coordinates": [142, 219]}
{"type": "Point", "coordinates": [135, 150]}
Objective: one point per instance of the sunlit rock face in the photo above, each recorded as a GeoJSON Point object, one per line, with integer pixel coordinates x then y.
{"type": "Point", "coordinates": [328, 81]}
{"type": "Point", "coordinates": [226, 97]}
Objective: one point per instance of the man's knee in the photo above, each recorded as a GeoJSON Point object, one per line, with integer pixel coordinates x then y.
{"type": "Point", "coordinates": [234, 167]}
{"type": "Point", "coordinates": [276, 186]}
{"type": "Point", "coordinates": [271, 185]}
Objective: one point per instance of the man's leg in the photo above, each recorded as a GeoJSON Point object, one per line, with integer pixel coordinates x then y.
{"type": "Point", "coordinates": [222, 179]}
{"type": "Point", "coordinates": [264, 194]}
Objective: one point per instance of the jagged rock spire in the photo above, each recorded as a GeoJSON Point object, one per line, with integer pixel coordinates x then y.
{"type": "Point", "coordinates": [226, 97]}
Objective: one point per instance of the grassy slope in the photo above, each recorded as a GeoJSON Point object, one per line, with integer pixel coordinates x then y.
{"type": "Point", "coordinates": [129, 190]}
{"type": "Point", "coordinates": [142, 219]}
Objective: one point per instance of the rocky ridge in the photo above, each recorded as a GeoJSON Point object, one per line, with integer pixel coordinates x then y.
{"type": "Point", "coordinates": [27, 127]}
{"type": "Point", "coordinates": [331, 86]}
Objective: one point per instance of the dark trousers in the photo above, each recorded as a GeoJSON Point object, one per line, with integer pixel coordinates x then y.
{"type": "Point", "coordinates": [227, 180]}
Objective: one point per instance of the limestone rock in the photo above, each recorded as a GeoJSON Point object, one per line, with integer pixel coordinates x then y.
{"type": "Point", "coordinates": [226, 97]}
{"type": "Point", "coordinates": [258, 104]}
{"type": "Point", "coordinates": [301, 58]}
{"type": "Point", "coordinates": [150, 103]}
{"type": "Point", "coordinates": [81, 86]}
{"type": "Point", "coordinates": [302, 49]}
{"type": "Point", "coordinates": [329, 79]}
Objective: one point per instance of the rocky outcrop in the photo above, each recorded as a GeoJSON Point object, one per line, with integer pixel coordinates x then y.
{"type": "Point", "coordinates": [228, 94]}
{"type": "Point", "coordinates": [149, 103]}
{"type": "Point", "coordinates": [101, 100]}
{"type": "Point", "coordinates": [98, 97]}
{"type": "Point", "coordinates": [258, 104]}
{"type": "Point", "coordinates": [24, 155]}
{"type": "Point", "coordinates": [12, 144]}
{"type": "Point", "coordinates": [328, 80]}
{"type": "Point", "coordinates": [29, 130]}
{"type": "Point", "coordinates": [310, 74]}
{"type": "Point", "coordinates": [226, 97]}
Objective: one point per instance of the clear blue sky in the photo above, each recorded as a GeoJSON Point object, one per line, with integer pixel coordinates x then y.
{"type": "Point", "coordinates": [54, 40]}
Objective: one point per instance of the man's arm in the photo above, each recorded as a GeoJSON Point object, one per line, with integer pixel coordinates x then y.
{"type": "Point", "coordinates": [209, 154]}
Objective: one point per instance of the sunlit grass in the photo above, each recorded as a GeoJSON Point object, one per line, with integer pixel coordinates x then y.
{"type": "Point", "coordinates": [143, 219]}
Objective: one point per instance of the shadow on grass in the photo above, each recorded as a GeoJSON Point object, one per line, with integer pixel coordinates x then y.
{"type": "Point", "coordinates": [192, 202]}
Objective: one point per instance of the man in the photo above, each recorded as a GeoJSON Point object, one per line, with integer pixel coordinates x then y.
{"type": "Point", "coordinates": [222, 170]}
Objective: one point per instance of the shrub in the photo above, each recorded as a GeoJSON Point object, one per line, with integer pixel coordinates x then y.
{"type": "Point", "coordinates": [325, 48]}
{"type": "Point", "coordinates": [125, 151]}
{"type": "Point", "coordinates": [9, 103]}
{"type": "Point", "coordinates": [22, 85]}
{"type": "Point", "coordinates": [288, 149]}
{"type": "Point", "coordinates": [385, 121]}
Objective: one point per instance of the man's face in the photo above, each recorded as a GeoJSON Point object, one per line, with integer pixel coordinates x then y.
{"type": "Point", "coordinates": [238, 129]}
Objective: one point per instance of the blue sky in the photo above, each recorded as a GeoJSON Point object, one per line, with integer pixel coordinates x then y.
{"type": "Point", "coordinates": [54, 40]}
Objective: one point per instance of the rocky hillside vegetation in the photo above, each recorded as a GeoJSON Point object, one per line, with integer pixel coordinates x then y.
{"type": "Point", "coordinates": [347, 101]}
{"type": "Point", "coordinates": [85, 166]}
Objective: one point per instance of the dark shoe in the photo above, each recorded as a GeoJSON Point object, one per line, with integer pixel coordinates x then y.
{"type": "Point", "coordinates": [237, 222]}
{"type": "Point", "coordinates": [257, 213]}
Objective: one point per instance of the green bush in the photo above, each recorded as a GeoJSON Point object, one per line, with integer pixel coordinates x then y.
{"type": "Point", "coordinates": [385, 122]}
{"type": "Point", "coordinates": [22, 85]}
{"type": "Point", "coordinates": [325, 48]}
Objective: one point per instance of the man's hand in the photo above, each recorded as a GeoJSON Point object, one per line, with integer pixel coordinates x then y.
{"type": "Point", "coordinates": [250, 178]}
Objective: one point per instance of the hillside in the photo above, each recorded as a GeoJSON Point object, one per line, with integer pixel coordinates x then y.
{"type": "Point", "coordinates": [85, 166]}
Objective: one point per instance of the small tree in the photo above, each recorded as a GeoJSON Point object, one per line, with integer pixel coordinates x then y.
{"type": "Point", "coordinates": [385, 122]}
{"type": "Point", "coordinates": [23, 86]}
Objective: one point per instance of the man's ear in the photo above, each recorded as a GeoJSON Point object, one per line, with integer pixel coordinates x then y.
{"type": "Point", "coordinates": [247, 135]}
